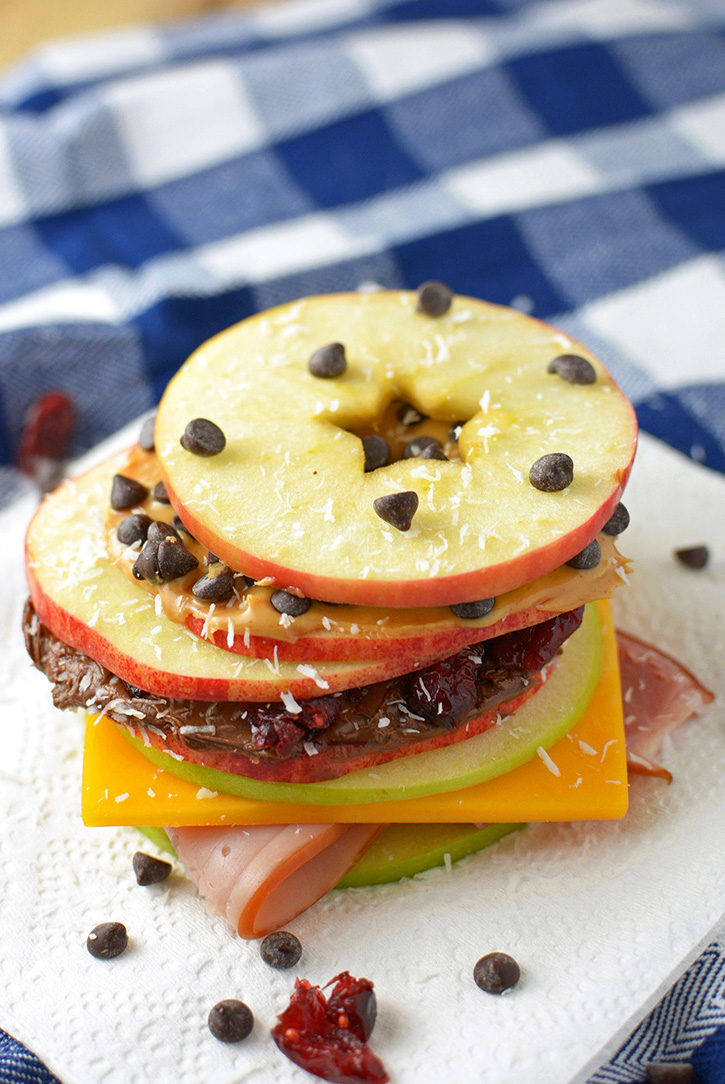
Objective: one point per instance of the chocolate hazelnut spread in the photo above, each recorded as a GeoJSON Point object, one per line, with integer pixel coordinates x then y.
{"type": "Point", "coordinates": [376, 716]}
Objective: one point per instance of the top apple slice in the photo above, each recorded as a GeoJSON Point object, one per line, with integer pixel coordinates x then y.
{"type": "Point", "coordinates": [288, 496]}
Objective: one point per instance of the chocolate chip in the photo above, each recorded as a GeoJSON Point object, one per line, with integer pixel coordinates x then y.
{"type": "Point", "coordinates": [397, 509]}
{"type": "Point", "coordinates": [230, 1021]}
{"type": "Point", "coordinates": [377, 452]}
{"type": "Point", "coordinates": [589, 557]}
{"type": "Point", "coordinates": [159, 493]}
{"type": "Point", "coordinates": [281, 949]}
{"type": "Point", "coordinates": [175, 560]}
{"type": "Point", "coordinates": [178, 524]}
{"type": "Point", "coordinates": [211, 558]}
{"type": "Point", "coordinates": [417, 446]}
{"type": "Point", "coordinates": [328, 361]}
{"type": "Point", "coordinates": [160, 531]}
{"type": "Point", "coordinates": [618, 521]}
{"type": "Point", "coordinates": [552, 472]}
{"type": "Point", "coordinates": [471, 611]}
{"type": "Point", "coordinates": [146, 437]}
{"type": "Point", "coordinates": [433, 451]}
{"type": "Point", "coordinates": [292, 605]}
{"type": "Point", "coordinates": [146, 565]}
{"type": "Point", "coordinates": [216, 586]}
{"type": "Point", "coordinates": [496, 972]}
{"type": "Point", "coordinates": [150, 870]}
{"type": "Point", "coordinates": [573, 369]}
{"type": "Point", "coordinates": [693, 556]}
{"type": "Point", "coordinates": [410, 416]}
{"type": "Point", "coordinates": [126, 492]}
{"type": "Point", "coordinates": [664, 1072]}
{"type": "Point", "coordinates": [202, 437]}
{"type": "Point", "coordinates": [133, 528]}
{"type": "Point", "coordinates": [107, 940]}
{"type": "Point", "coordinates": [434, 298]}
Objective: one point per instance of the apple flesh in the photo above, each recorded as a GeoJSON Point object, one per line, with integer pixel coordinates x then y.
{"type": "Point", "coordinates": [401, 850]}
{"type": "Point", "coordinates": [81, 595]}
{"type": "Point", "coordinates": [542, 721]}
{"type": "Point", "coordinates": [288, 496]}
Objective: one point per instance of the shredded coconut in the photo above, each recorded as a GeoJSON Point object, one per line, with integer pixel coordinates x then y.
{"type": "Point", "coordinates": [542, 753]}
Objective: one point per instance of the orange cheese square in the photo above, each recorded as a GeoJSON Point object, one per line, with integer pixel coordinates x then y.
{"type": "Point", "coordinates": [584, 777]}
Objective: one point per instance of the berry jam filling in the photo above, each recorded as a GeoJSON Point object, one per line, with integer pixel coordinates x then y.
{"type": "Point", "coordinates": [328, 1036]}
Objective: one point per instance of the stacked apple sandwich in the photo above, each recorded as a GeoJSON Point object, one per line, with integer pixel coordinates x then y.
{"type": "Point", "coordinates": [348, 564]}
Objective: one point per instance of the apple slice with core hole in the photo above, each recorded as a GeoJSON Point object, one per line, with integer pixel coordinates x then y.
{"type": "Point", "coordinates": [288, 496]}
{"type": "Point", "coordinates": [87, 601]}
{"type": "Point", "coordinates": [539, 723]}
{"type": "Point", "coordinates": [401, 850]}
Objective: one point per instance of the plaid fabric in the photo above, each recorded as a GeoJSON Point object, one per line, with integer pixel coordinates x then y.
{"type": "Point", "coordinates": [563, 156]}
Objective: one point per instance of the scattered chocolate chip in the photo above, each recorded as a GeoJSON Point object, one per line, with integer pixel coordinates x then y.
{"type": "Point", "coordinates": [573, 369]}
{"type": "Point", "coordinates": [292, 605]}
{"type": "Point", "coordinates": [434, 298]}
{"type": "Point", "coordinates": [133, 528]}
{"type": "Point", "coordinates": [146, 437]}
{"type": "Point", "coordinates": [589, 557]}
{"type": "Point", "coordinates": [146, 565]}
{"type": "Point", "coordinates": [618, 521]}
{"type": "Point", "coordinates": [175, 560]}
{"type": "Point", "coordinates": [328, 361]}
{"type": "Point", "coordinates": [159, 493]}
{"type": "Point", "coordinates": [230, 1021]}
{"type": "Point", "coordinates": [410, 416]}
{"type": "Point", "coordinates": [377, 452]}
{"type": "Point", "coordinates": [211, 558]}
{"type": "Point", "coordinates": [246, 581]}
{"type": "Point", "coordinates": [126, 492]}
{"type": "Point", "coordinates": [160, 531]}
{"type": "Point", "coordinates": [496, 972]}
{"type": "Point", "coordinates": [552, 472]}
{"type": "Point", "coordinates": [107, 940]}
{"type": "Point", "coordinates": [281, 949]}
{"type": "Point", "coordinates": [150, 870]}
{"type": "Point", "coordinates": [202, 437]}
{"type": "Point", "coordinates": [693, 556]}
{"type": "Point", "coordinates": [417, 446]}
{"type": "Point", "coordinates": [397, 509]}
{"type": "Point", "coordinates": [663, 1072]}
{"type": "Point", "coordinates": [471, 611]}
{"type": "Point", "coordinates": [178, 524]}
{"type": "Point", "coordinates": [216, 586]}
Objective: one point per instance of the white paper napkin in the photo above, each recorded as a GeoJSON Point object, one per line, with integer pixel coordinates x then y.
{"type": "Point", "coordinates": [597, 914]}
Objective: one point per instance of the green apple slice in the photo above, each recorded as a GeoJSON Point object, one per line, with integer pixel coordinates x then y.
{"type": "Point", "coordinates": [288, 496]}
{"type": "Point", "coordinates": [540, 722]}
{"type": "Point", "coordinates": [402, 850]}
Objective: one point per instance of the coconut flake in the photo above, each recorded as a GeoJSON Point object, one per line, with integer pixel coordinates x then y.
{"type": "Point", "coordinates": [310, 672]}
{"type": "Point", "coordinates": [548, 762]}
{"type": "Point", "coordinates": [290, 703]}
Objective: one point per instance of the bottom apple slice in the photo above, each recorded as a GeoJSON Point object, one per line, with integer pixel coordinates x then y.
{"type": "Point", "coordinates": [538, 724]}
{"type": "Point", "coordinates": [402, 850]}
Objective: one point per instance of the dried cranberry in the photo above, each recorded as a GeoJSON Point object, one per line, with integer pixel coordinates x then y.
{"type": "Point", "coordinates": [446, 691]}
{"type": "Point", "coordinates": [530, 649]}
{"type": "Point", "coordinates": [328, 1037]}
{"type": "Point", "coordinates": [47, 431]}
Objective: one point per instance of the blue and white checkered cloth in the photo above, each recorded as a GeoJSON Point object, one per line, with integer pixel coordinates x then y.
{"type": "Point", "coordinates": [563, 156]}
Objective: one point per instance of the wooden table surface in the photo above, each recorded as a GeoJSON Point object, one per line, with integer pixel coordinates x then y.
{"type": "Point", "coordinates": [25, 24]}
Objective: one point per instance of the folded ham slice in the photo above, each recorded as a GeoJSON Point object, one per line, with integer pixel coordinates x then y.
{"type": "Point", "coordinates": [262, 876]}
{"type": "Point", "coordinates": [658, 694]}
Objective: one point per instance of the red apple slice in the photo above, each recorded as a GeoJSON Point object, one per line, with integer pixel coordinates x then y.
{"type": "Point", "coordinates": [288, 496]}
{"type": "Point", "coordinates": [85, 600]}
{"type": "Point", "coordinates": [248, 624]}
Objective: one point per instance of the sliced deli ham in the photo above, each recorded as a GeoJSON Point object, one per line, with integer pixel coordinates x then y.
{"type": "Point", "coordinates": [262, 876]}
{"type": "Point", "coordinates": [658, 694]}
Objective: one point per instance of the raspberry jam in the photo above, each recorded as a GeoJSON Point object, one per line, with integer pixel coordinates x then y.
{"type": "Point", "coordinates": [328, 1036]}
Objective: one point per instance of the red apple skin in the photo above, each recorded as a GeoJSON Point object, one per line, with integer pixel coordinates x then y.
{"type": "Point", "coordinates": [330, 647]}
{"type": "Point", "coordinates": [329, 763]}
{"type": "Point", "coordinates": [435, 591]}
{"type": "Point", "coordinates": [69, 628]}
